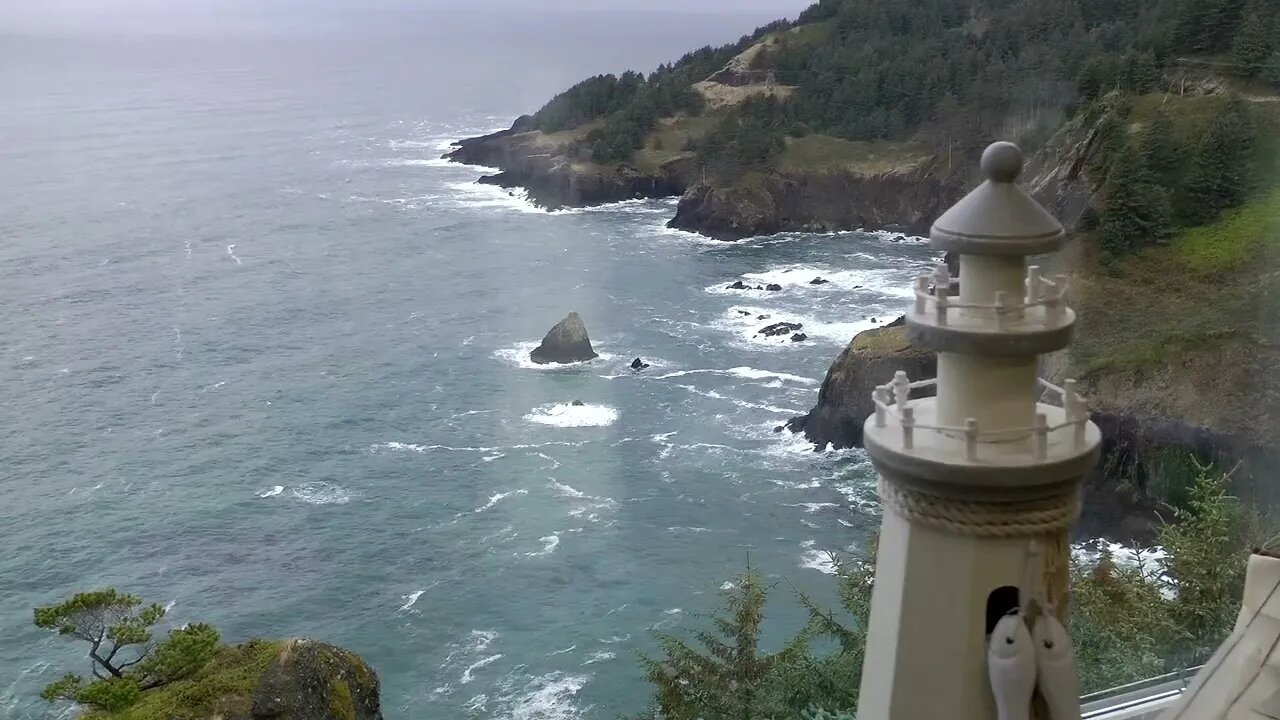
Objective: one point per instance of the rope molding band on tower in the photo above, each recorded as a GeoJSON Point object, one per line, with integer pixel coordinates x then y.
{"type": "Point", "coordinates": [982, 519]}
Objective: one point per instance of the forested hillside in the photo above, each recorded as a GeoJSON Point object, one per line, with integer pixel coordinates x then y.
{"type": "Point", "coordinates": [942, 70]}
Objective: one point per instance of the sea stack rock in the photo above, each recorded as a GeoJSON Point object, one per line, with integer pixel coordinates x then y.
{"type": "Point", "coordinates": [567, 342]}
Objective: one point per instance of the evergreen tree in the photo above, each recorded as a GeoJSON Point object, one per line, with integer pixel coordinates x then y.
{"type": "Point", "coordinates": [1140, 74]}
{"type": "Point", "coordinates": [1159, 149]}
{"type": "Point", "coordinates": [1190, 30]}
{"type": "Point", "coordinates": [729, 678]}
{"type": "Point", "coordinates": [1136, 211]}
{"type": "Point", "coordinates": [1207, 25]}
{"type": "Point", "coordinates": [1256, 40]}
{"type": "Point", "coordinates": [1219, 177]}
{"type": "Point", "coordinates": [126, 659]}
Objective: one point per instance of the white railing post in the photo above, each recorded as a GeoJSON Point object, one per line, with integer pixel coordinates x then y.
{"type": "Point", "coordinates": [971, 439]}
{"type": "Point", "coordinates": [908, 416]}
{"type": "Point", "coordinates": [1034, 284]}
{"type": "Point", "coordinates": [1053, 305]}
{"type": "Point", "coordinates": [1002, 307]}
{"type": "Point", "coordinates": [1042, 436]}
{"type": "Point", "coordinates": [901, 389]}
{"type": "Point", "coordinates": [881, 397]}
{"type": "Point", "coordinates": [1076, 411]}
{"type": "Point", "coordinates": [922, 294]}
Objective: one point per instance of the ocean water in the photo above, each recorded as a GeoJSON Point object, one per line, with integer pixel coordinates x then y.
{"type": "Point", "coordinates": [265, 361]}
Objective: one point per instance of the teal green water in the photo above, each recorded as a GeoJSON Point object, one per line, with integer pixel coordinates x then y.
{"type": "Point", "coordinates": [265, 360]}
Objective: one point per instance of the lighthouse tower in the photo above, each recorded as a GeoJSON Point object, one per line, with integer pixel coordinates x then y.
{"type": "Point", "coordinates": [979, 483]}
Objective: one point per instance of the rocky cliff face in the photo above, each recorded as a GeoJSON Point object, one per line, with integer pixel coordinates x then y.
{"type": "Point", "coordinates": [1058, 174]}
{"type": "Point", "coordinates": [907, 199]}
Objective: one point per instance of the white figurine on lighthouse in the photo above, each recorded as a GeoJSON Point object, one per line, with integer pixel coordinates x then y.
{"type": "Point", "coordinates": [980, 484]}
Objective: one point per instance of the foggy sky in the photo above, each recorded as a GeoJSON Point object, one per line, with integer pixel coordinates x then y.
{"type": "Point", "coordinates": [219, 16]}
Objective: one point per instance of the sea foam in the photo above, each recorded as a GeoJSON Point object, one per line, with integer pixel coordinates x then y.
{"type": "Point", "coordinates": [744, 322]}
{"type": "Point", "coordinates": [547, 697]}
{"type": "Point", "coordinates": [318, 492]}
{"type": "Point", "coordinates": [519, 357]}
{"type": "Point", "coordinates": [570, 415]}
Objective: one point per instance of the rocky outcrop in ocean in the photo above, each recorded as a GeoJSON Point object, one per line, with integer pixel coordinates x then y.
{"type": "Point", "coordinates": [844, 400]}
{"type": "Point", "coordinates": [567, 342]}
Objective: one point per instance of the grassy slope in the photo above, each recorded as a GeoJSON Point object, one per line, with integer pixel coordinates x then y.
{"type": "Point", "coordinates": [223, 686]}
{"type": "Point", "coordinates": [826, 153]}
{"type": "Point", "coordinates": [1190, 329]}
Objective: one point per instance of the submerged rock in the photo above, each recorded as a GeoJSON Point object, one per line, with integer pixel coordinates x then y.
{"type": "Point", "coordinates": [819, 281]}
{"type": "Point", "coordinates": [799, 337]}
{"type": "Point", "coordinates": [780, 328]}
{"type": "Point", "coordinates": [773, 286]}
{"type": "Point", "coordinates": [639, 364]}
{"type": "Point", "coordinates": [567, 342]}
{"type": "Point", "coordinates": [577, 403]}
{"type": "Point", "coordinates": [738, 285]}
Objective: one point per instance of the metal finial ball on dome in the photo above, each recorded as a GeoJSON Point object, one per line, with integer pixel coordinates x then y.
{"type": "Point", "coordinates": [1002, 162]}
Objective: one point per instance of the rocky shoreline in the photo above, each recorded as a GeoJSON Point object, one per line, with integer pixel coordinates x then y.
{"type": "Point", "coordinates": [904, 200]}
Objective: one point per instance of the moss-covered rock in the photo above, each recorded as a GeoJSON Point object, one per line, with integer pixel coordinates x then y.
{"type": "Point", "coordinates": [261, 680]}
{"type": "Point", "coordinates": [844, 402]}
{"type": "Point", "coordinates": [310, 679]}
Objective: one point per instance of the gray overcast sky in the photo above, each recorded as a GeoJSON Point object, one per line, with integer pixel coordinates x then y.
{"type": "Point", "coordinates": [284, 15]}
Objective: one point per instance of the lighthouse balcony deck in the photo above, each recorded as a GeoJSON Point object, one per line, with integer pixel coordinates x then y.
{"type": "Point", "coordinates": [907, 438]}
{"type": "Point", "coordinates": [1038, 321]}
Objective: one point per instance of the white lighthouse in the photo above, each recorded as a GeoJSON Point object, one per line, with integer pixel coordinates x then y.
{"type": "Point", "coordinates": [980, 484]}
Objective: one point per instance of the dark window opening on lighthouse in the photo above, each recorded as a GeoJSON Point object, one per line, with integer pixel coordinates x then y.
{"type": "Point", "coordinates": [1000, 602]}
